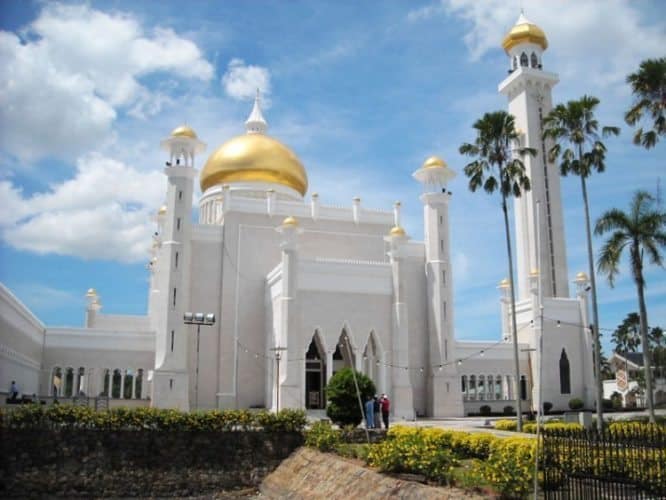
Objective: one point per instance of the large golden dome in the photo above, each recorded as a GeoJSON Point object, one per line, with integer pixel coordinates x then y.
{"type": "Point", "coordinates": [524, 32]}
{"type": "Point", "coordinates": [254, 158]}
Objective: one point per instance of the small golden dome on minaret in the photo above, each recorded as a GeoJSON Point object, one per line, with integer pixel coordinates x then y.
{"type": "Point", "coordinates": [397, 231]}
{"type": "Point", "coordinates": [162, 210]}
{"type": "Point", "coordinates": [290, 222]}
{"type": "Point", "coordinates": [184, 131]}
{"type": "Point", "coordinates": [434, 162]}
{"type": "Point", "coordinates": [524, 31]}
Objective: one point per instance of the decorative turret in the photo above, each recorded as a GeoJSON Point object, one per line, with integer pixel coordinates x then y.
{"type": "Point", "coordinates": [256, 123]}
{"type": "Point", "coordinates": [524, 44]}
{"type": "Point", "coordinates": [182, 144]}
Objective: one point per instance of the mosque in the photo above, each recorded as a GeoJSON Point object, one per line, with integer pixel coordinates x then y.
{"type": "Point", "coordinates": [285, 290]}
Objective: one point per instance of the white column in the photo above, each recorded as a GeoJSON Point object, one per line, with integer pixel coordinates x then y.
{"type": "Point", "coordinates": [134, 383]}
{"type": "Point", "coordinates": [329, 366]}
{"type": "Point", "coordinates": [122, 384]}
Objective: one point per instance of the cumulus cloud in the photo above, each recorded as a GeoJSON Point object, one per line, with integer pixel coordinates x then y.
{"type": "Point", "coordinates": [103, 212]}
{"type": "Point", "coordinates": [600, 41]}
{"type": "Point", "coordinates": [241, 80]}
{"type": "Point", "coordinates": [65, 79]}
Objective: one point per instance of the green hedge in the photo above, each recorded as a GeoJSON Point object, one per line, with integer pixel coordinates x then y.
{"type": "Point", "coordinates": [77, 417]}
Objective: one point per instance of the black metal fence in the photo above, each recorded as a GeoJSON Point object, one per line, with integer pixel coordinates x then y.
{"type": "Point", "coordinates": [625, 461]}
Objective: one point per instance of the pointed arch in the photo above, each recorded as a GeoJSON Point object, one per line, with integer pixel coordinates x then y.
{"type": "Point", "coordinates": [345, 351]}
{"type": "Point", "coordinates": [372, 358]}
{"type": "Point", "coordinates": [315, 372]}
{"type": "Point", "coordinates": [565, 373]}
{"type": "Point", "coordinates": [524, 60]}
{"type": "Point", "coordinates": [534, 61]}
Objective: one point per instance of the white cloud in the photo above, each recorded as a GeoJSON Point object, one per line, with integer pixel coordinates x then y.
{"type": "Point", "coordinates": [241, 80]}
{"type": "Point", "coordinates": [63, 83]}
{"type": "Point", "coordinates": [104, 212]}
{"type": "Point", "coordinates": [598, 41]}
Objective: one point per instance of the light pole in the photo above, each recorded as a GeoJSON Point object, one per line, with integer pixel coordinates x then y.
{"type": "Point", "coordinates": [205, 319]}
{"type": "Point", "coordinates": [278, 356]}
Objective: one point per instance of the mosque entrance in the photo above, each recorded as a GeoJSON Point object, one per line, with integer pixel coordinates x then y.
{"type": "Point", "coordinates": [315, 375]}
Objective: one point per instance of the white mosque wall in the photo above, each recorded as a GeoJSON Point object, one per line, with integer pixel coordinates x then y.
{"type": "Point", "coordinates": [21, 344]}
{"type": "Point", "coordinates": [120, 322]}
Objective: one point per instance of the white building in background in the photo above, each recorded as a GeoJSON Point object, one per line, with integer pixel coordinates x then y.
{"type": "Point", "coordinates": [324, 286]}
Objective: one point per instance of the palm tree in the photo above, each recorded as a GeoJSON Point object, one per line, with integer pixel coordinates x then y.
{"type": "Point", "coordinates": [496, 167]}
{"type": "Point", "coordinates": [642, 231]}
{"type": "Point", "coordinates": [626, 334]}
{"type": "Point", "coordinates": [648, 85]}
{"type": "Point", "coordinates": [573, 125]}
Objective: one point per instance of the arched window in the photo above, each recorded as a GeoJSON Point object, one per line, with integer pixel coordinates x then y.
{"type": "Point", "coordinates": [490, 389]}
{"type": "Point", "coordinates": [464, 386]}
{"type": "Point", "coordinates": [481, 393]}
{"type": "Point", "coordinates": [534, 62]}
{"type": "Point", "coordinates": [80, 382]}
{"type": "Point", "coordinates": [514, 62]}
{"type": "Point", "coordinates": [127, 386]}
{"type": "Point", "coordinates": [69, 383]}
{"type": "Point", "coordinates": [115, 383]}
{"type": "Point", "coordinates": [523, 387]}
{"type": "Point", "coordinates": [498, 387]}
{"type": "Point", "coordinates": [472, 387]}
{"type": "Point", "coordinates": [107, 383]}
{"type": "Point", "coordinates": [565, 375]}
{"type": "Point", "coordinates": [57, 380]}
{"type": "Point", "coordinates": [523, 59]}
{"type": "Point", "coordinates": [139, 383]}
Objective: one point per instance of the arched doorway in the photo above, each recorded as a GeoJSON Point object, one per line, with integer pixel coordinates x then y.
{"type": "Point", "coordinates": [315, 374]}
{"type": "Point", "coordinates": [343, 357]}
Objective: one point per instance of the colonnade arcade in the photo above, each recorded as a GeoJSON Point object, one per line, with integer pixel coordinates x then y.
{"type": "Point", "coordinates": [321, 363]}
{"type": "Point", "coordinates": [486, 387]}
{"type": "Point", "coordinates": [118, 383]}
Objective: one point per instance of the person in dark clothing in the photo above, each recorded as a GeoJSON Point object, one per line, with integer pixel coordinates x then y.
{"type": "Point", "coordinates": [386, 407]}
{"type": "Point", "coordinates": [378, 412]}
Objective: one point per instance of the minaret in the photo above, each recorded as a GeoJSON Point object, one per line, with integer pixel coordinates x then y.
{"type": "Point", "coordinates": [528, 88]}
{"type": "Point", "coordinates": [444, 387]}
{"type": "Point", "coordinates": [170, 380]}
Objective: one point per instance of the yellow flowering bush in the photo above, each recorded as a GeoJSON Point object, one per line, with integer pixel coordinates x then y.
{"type": "Point", "coordinates": [323, 436]}
{"type": "Point", "coordinates": [506, 425]}
{"type": "Point", "coordinates": [78, 417]}
{"type": "Point", "coordinates": [509, 467]}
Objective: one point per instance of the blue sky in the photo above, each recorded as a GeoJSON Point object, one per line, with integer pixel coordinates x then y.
{"type": "Point", "coordinates": [362, 91]}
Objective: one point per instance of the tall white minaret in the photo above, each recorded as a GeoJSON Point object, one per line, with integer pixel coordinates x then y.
{"type": "Point", "coordinates": [444, 395]}
{"type": "Point", "coordinates": [528, 88]}
{"type": "Point", "coordinates": [170, 379]}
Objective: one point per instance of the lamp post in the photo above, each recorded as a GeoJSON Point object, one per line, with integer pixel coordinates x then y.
{"type": "Point", "coordinates": [205, 319]}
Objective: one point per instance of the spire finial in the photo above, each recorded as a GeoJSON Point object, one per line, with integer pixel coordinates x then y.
{"type": "Point", "coordinates": [255, 123]}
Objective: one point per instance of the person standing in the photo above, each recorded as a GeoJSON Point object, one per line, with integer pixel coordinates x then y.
{"type": "Point", "coordinates": [378, 412]}
{"type": "Point", "coordinates": [369, 413]}
{"type": "Point", "coordinates": [386, 407]}
{"type": "Point", "coordinates": [13, 391]}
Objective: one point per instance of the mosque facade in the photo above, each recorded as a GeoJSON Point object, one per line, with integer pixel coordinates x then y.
{"type": "Point", "coordinates": [292, 290]}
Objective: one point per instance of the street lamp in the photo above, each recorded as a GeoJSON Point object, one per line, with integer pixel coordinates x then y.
{"type": "Point", "coordinates": [205, 319]}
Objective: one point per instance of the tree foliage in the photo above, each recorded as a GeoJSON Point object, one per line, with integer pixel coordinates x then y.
{"type": "Point", "coordinates": [343, 408]}
{"type": "Point", "coordinates": [648, 86]}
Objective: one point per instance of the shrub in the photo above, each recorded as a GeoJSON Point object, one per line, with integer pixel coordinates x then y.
{"type": "Point", "coordinates": [416, 451]}
{"type": "Point", "coordinates": [509, 467]}
{"type": "Point", "coordinates": [485, 410]}
{"type": "Point", "coordinates": [322, 436]}
{"type": "Point", "coordinates": [343, 406]}
{"type": "Point", "coordinates": [576, 404]}
{"type": "Point", "coordinates": [547, 406]}
{"type": "Point", "coordinates": [506, 425]}
{"type": "Point", "coordinates": [508, 410]}
{"type": "Point", "coordinates": [77, 417]}
{"type": "Point", "coordinates": [616, 400]}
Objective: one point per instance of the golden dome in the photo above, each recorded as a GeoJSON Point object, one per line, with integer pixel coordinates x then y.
{"type": "Point", "coordinates": [290, 221]}
{"type": "Point", "coordinates": [184, 131]}
{"type": "Point", "coordinates": [162, 210]}
{"type": "Point", "coordinates": [254, 158]}
{"type": "Point", "coordinates": [505, 283]}
{"type": "Point", "coordinates": [434, 162]}
{"type": "Point", "coordinates": [581, 276]}
{"type": "Point", "coordinates": [524, 32]}
{"type": "Point", "coordinates": [397, 231]}
{"type": "Point", "coordinates": [91, 292]}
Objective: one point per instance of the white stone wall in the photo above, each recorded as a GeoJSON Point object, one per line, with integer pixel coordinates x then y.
{"type": "Point", "coordinates": [21, 342]}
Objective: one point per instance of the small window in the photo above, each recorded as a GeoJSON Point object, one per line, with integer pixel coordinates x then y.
{"type": "Point", "coordinates": [178, 224]}
{"type": "Point", "coordinates": [444, 310]}
{"type": "Point", "coordinates": [523, 59]}
{"type": "Point", "coordinates": [565, 374]}
{"type": "Point", "coordinates": [446, 349]}
{"type": "Point", "coordinates": [173, 333]}
{"type": "Point", "coordinates": [176, 261]}
{"type": "Point", "coordinates": [523, 387]}
{"type": "Point", "coordinates": [441, 220]}
{"type": "Point", "coordinates": [170, 383]}
{"type": "Point", "coordinates": [533, 60]}
{"type": "Point", "coordinates": [443, 277]}
{"type": "Point", "coordinates": [174, 297]}
{"type": "Point", "coordinates": [180, 195]}
{"type": "Point", "coordinates": [441, 245]}
{"type": "Point", "coordinates": [514, 62]}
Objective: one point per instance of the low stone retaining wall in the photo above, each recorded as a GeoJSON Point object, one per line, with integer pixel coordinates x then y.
{"type": "Point", "coordinates": [311, 474]}
{"type": "Point", "coordinates": [89, 463]}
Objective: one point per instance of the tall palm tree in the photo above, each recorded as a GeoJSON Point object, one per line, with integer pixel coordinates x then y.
{"type": "Point", "coordinates": [574, 126]}
{"type": "Point", "coordinates": [642, 231]}
{"type": "Point", "coordinates": [626, 334]}
{"type": "Point", "coordinates": [648, 85]}
{"type": "Point", "coordinates": [496, 167]}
